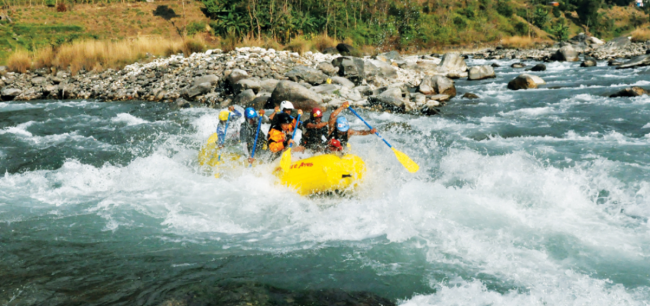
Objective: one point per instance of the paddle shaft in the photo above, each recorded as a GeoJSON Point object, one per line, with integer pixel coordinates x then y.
{"type": "Point", "coordinates": [295, 129]}
{"type": "Point", "coordinates": [225, 132]}
{"type": "Point", "coordinates": [259, 126]}
{"type": "Point", "coordinates": [370, 127]}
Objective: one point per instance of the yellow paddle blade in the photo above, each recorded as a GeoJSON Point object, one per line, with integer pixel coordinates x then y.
{"type": "Point", "coordinates": [213, 138]}
{"type": "Point", "coordinates": [406, 161]}
{"type": "Point", "coordinates": [285, 160]}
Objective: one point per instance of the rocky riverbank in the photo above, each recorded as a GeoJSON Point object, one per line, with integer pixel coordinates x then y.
{"type": "Point", "coordinates": [265, 77]}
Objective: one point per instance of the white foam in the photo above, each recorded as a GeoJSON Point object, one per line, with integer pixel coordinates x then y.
{"type": "Point", "coordinates": [128, 119]}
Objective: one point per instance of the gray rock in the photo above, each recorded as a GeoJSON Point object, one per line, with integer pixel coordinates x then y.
{"type": "Point", "coordinates": [630, 92]}
{"type": "Point", "coordinates": [234, 77]}
{"type": "Point", "coordinates": [469, 96]}
{"type": "Point", "coordinates": [637, 61]}
{"type": "Point", "coordinates": [268, 85]}
{"type": "Point", "coordinates": [351, 68]}
{"type": "Point", "coordinates": [453, 62]}
{"type": "Point", "coordinates": [346, 49]}
{"type": "Point", "coordinates": [244, 84]}
{"type": "Point", "coordinates": [182, 103]}
{"type": "Point", "coordinates": [38, 80]}
{"type": "Point", "coordinates": [3, 70]}
{"type": "Point", "coordinates": [197, 90]}
{"type": "Point", "coordinates": [433, 85]}
{"type": "Point", "coordinates": [301, 97]}
{"type": "Point", "coordinates": [389, 56]}
{"type": "Point", "coordinates": [261, 101]}
{"type": "Point", "coordinates": [327, 68]}
{"type": "Point", "coordinates": [616, 43]}
{"type": "Point", "coordinates": [613, 62]}
{"type": "Point", "coordinates": [377, 68]}
{"type": "Point", "coordinates": [566, 54]}
{"type": "Point", "coordinates": [589, 63]}
{"type": "Point", "coordinates": [245, 97]}
{"type": "Point", "coordinates": [538, 67]}
{"type": "Point", "coordinates": [342, 81]}
{"type": "Point", "coordinates": [51, 90]}
{"type": "Point", "coordinates": [9, 93]}
{"type": "Point", "coordinates": [364, 90]}
{"type": "Point", "coordinates": [210, 78]}
{"type": "Point", "coordinates": [392, 97]}
{"type": "Point", "coordinates": [481, 72]}
{"type": "Point", "coordinates": [518, 65]}
{"type": "Point", "coordinates": [327, 89]}
{"type": "Point", "coordinates": [525, 81]}
{"type": "Point", "coordinates": [307, 74]}
{"type": "Point", "coordinates": [427, 66]}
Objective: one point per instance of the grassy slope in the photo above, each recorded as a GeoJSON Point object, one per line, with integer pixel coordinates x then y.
{"type": "Point", "coordinates": [38, 26]}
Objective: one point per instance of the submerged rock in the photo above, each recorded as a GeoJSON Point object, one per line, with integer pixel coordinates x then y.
{"type": "Point", "coordinates": [637, 61]}
{"type": "Point", "coordinates": [518, 65]}
{"type": "Point", "coordinates": [525, 81]}
{"type": "Point", "coordinates": [589, 63]}
{"type": "Point", "coordinates": [630, 92]}
{"type": "Point", "coordinates": [469, 95]}
{"type": "Point", "coordinates": [538, 67]}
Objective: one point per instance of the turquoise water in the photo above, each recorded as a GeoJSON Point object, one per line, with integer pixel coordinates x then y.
{"type": "Point", "coordinates": [538, 197]}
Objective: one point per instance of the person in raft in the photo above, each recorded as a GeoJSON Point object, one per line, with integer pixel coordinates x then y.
{"type": "Point", "coordinates": [285, 107]}
{"type": "Point", "coordinates": [316, 132]}
{"type": "Point", "coordinates": [223, 119]}
{"type": "Point", "coordinates": [279, 137]}
{"type": "Point", "coordinates": [340, 131]}
{"type": "Point", "coordinates": [249, 131]}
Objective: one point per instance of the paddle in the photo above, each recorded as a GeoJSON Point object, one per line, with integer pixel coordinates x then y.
{"type": "Point", "coordinates": [285, 160]}
{"type": "Point", "coordinates": [406, 161]}
{"type": "Point", "coordinates": [225, 132]}
{"type": "Point", "coordinates": [259, 126]}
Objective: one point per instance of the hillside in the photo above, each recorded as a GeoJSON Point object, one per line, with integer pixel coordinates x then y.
{"type": "Point", "coordinates": [379, 25]}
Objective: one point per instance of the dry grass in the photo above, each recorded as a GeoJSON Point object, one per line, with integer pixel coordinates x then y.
{"type": "Point", "coordinates": [19, 61]}
{"type": "Point", "coordinates": [99, 55]}
{"type": "Point", "coordinates": [641, 34]}
{"type": "Point", "coordinates": [522, 42]}
{"type": "Point", "coordinates": [321, 42]}
{"type": "Point", "coordinates": [299, 44]}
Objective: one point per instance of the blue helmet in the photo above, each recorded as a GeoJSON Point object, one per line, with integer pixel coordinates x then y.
{"type": "Point", "coordinates": [250, 113]}
{"type": "Point", "coordinates": [342, 124]}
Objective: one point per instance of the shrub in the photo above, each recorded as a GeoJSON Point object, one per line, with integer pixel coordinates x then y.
{"type": "Point", "coordinates": [504, 7]}
{"type": "Point", "coordinates": [298, 44]}
{"type": "Point", "coordinates": [460, 22]}
{"type": "Point", "coordinates": [641, 35]}
{"type": "Point", "coordinates": [61, 7]}
{"type": "Point", "coordinates": [19, 61]}
{"type": "Point", "coordinates": [523, 13]}
{"type": "Point", "coordinates": [44, 57]}
{"type": "Point", "coordinates": [556, 12]}
{"type": "Point", "coordinates": [194, 44]}
{"type": "Point", "coordinates": [540, 17]}
{"type": "Point", "coordinates": [50, 3]}
{"type": "Point", "coordinates": [322, 42]}
{"type": "Point", "coordinates": [521, 28]}
{"type": "Point", "coordinates": [196, 27]}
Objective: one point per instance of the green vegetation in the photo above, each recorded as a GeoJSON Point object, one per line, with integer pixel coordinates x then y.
{"type": "Point", "coordinates": [31, 37]}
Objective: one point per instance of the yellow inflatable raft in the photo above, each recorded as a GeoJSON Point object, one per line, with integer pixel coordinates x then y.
{"type": "Point", "coordinates": [323, 173]}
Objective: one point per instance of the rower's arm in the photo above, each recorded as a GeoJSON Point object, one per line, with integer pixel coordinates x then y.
{"type": "Point", "coordinates": [316, 125]}
{"type": "Point", "coordinates": [361, 133]}
{"type": "Point", "coordinates": [332, 122]}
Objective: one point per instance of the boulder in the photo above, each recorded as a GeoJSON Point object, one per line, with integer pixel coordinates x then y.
{"type": "Point", "coordinates": [301, 97]}
{"type": "Point", "coordinates": [245, 97]}
{"type": "Point", "coordinates": [481, 72]}
{"type": "Point", "coordinates": [268, 85]}
{"type": "Point", "coordinates": [327, 89]}
{"type": "Point", "coordinates": [613, 62]}
{"type": "Point", "coordinates": [182, 103]}
{"type": "Point", "coordinates": [637, 61]}
{"type": "Point", "coordinates": [249, 83]}
{"type": "Point", "coordinates": [197, 90]}
{"type": "Point", "coordinates": [433, 85]}
{"type": "Point", "coordinates": [38, 80]}
{"type": "Point", "coordinates": [346, 49]}
{"type": "Point", "coordinates": [261, 101]}
{"type": "Point", "coordinates": [469, 96]}
{"type": "Point", "coordinates": [616, 43]}
{"type": "Point", "coordinates": [351, 68]}
{"type": "Point", "coordinates": [327, 68]}
{"type": "Point", "coordinates": [307, 74]}
{"type": "Point", "coordinates": [566, 54]}
{"type": "Point", "coordinates": [518, 65]}
{"type": "Point", "coordinates": [391, 97]}
{"type": "Point", "coordinates": [234, 77]}
{"type": "Point", "coordinates": [453, 63]}
{"type": "Point", "coordinates": [429, 67]}
{"type": "Point", "coordinates": [630, 92]}
{"type": "Point", "coordinates": [595, 41]}
{"type": "Point", "coordinates": [9, 93]}
{"type": "Point", "coordinates": [589, 63]}
{"type": "Point", "coordinates": [495, 65]}
{"type": "Point", "coordinates": [377, 68]}
{"type": "Point", "coordinates": [342, 81]}
{"type": "Point", "coordinates": [538, 67]}
{"type": "Point", "coordinates": [388, 56]}
{"type": "Point", "coordinates": [210, 78]}
{"type": "Point", "coordinates": [525, 81]}
{"type": "Point", "coordinates": [3, 70]}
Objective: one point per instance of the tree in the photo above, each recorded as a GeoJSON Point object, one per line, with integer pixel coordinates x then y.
{"type": "Point", "coordinates": [588, 12]}
{"type": "Point", "coordinates": [540, 17]}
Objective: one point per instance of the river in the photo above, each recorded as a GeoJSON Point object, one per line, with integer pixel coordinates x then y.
{"type": "Point", "coordinates": [532, 197]}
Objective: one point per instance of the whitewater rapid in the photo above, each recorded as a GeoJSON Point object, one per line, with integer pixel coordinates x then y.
{"type": "Point", "coordinates": [538, 197]}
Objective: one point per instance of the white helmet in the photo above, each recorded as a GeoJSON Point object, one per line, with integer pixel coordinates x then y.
{"type": "Point", "coordinates": [285, 105]}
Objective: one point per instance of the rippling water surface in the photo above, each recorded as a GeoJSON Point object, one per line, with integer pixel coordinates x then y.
{"type": "Point", "coordinates": [537, 197]}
